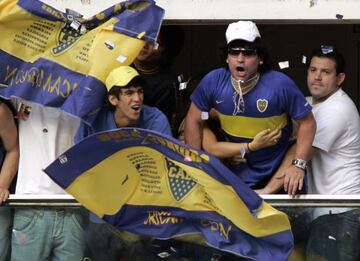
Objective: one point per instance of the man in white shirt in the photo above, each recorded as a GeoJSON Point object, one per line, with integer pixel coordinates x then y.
{"type": "Point", "coordinates": [335, 165]}
{"type": "Point", "coordinates": [44, 233]}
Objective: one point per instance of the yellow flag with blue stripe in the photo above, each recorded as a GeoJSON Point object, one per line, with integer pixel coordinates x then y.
{"type": "Point", "coordinates": [153, 185]}
{"type": "Point", "coordinates": [61, 60]}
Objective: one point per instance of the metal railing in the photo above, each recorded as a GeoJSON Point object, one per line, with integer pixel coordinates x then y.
{"type": "Point", "coordinates": [275, 200]}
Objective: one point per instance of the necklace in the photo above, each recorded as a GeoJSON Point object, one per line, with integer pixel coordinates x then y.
{"type": "Point", "coordinates": [243, 87]}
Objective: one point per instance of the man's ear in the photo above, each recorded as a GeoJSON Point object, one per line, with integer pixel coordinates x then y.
{"type": "Point", "coordinates": [340, 78]}
{"type": "Point", "coordinates": [113, 100]}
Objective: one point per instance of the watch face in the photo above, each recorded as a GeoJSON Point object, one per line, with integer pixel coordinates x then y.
{"type": "Point", "coordinates": [299, 163]}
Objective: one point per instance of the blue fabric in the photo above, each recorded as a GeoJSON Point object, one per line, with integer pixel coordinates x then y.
{"type": "Point", "coordinates": [151, 118]}
{"type": "Point", "coordinates": [47, 234]}
{"type": "Point", "coordinates": [5, 233]}
{"type": "Point", "coordinates": [41, 72]}
{"type": "Point", "coordinates": [189, 196]}
{"type": "Point", "coordinates": [283, 96]}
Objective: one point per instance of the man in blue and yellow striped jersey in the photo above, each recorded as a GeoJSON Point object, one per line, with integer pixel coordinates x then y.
{"type": "Point", "coordinates": [249, 97]}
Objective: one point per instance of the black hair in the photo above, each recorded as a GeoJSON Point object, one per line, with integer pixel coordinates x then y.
{"type": "Point", "coordinates": [332, 54]}
{"type": "Point", "coordinates": [260, 47]}
{"type": "Point", "coordinates": [137, 81]}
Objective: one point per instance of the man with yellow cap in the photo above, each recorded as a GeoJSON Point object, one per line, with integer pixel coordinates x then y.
{"type": "Point", "coordinates": [125, 106]}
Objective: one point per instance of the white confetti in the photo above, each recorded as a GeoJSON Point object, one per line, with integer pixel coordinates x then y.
{"type": "Point", "coordinates": [204, 115]}
{"type": "Point", "coordinates": [121, 58]}
{"type": "Point", "coordinates": [75, 24]}
{"type": "Point", "coordinates": [303, 60]}
{"type": "Point", "coordinates": [284, 64]}
{"type": "Point", "coordinates": [332, 238]}
{"type": "Point", "coordinates": [182, 86]}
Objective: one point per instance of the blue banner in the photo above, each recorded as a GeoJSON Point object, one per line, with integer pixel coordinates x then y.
{"type": "Point", "coordinates": [153, 185]}
{"type": "Point", "coordinates": [61, 60]}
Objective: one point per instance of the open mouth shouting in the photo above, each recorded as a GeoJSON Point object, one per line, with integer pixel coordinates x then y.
{"type": "Point", "coordinates": [136, 108]}
{"type": "Point", "coordinates": [240, 69]}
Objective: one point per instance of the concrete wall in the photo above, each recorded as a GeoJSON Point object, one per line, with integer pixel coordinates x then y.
{"type": "Point", "coordinates": [212, 10]}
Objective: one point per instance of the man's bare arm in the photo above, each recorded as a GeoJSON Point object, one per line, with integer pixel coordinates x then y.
{"type": "Point", "coordinates": [9, 137]}
{"type": "Point", "coordinates": [193, 127]}
{"type": "Point", "coordinates": [294, 176]}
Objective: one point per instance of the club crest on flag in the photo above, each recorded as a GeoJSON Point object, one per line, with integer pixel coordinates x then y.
{"type": "Point", "coordinates": [145, 185]}
{"type": "Point", "coordinates": [66, 38]}
{"type": "Point", "coordinates": [179, 181]}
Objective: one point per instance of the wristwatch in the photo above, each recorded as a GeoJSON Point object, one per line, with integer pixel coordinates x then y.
{"type": "Point", "coordinates": [301, 164]}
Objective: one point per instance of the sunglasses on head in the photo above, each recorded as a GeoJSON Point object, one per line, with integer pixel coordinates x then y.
{"type": "Point", "coordinates": [244, 51]}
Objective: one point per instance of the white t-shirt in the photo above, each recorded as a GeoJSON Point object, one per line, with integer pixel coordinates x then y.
{"type": "Point", "coordinates": [45, 135]}
{"type": "Point", "coordinates": [335, 168]}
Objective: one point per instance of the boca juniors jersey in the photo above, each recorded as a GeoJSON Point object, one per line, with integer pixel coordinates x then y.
{"type": "Point", "coordinates": [273, 103]}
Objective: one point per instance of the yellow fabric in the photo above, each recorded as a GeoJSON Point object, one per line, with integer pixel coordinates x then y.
{"type": "Point", "coordinates": [120, 76]}
{"type": "Point", "coordinates": [106, 191]}
{"type": "Point", "coordinates": [247, 127]}
{"type": "Point", "coordinates": [32, 37]}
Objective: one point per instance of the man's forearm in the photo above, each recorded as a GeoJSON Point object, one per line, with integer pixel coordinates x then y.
{"type": "Point", "coordinates": [193, 127]}
{"type": "Point", "coordinates": [193, 134]}
{"type": "Point", "coordinates": [306, 134]}
{"type": "Point", "coordinates": [9, 168]}
{"type": "Point", "coordinates": [276, 182]}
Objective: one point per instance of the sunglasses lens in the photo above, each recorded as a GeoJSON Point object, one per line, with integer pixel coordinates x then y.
{"type": "Point", "coordinates": [245, 52]}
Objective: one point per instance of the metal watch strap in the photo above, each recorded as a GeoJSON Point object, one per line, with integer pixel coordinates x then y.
{"type": "Point", "coordinates": [301, 164]}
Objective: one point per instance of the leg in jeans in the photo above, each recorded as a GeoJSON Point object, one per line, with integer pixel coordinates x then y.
{"type": "Point", "coordinates": [5, 233]}
{"type": "Point", "coordinates": [31, 237]}
{"type": "Point", "coordinates": [348, 236]}
{"type": "Point", "coordinates": [47, 234]}
{"type": "Point", "coordinates": [68, 237]}
{"type": "Point", "coordinates": [334, 237]}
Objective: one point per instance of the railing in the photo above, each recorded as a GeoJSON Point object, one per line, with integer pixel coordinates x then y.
{"type": "Point", "coordinates": [296, 207]}
{"type": "Point", "coordinates": [274, 200]}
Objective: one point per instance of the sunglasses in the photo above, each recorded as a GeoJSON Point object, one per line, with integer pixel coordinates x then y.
{"type": "Point", "coordinates": [244, 51]}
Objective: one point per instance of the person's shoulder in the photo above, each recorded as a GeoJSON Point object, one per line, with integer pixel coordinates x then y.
{"type": "Point", "coordinates": [216, 75]}
{"type": "Point", "coordinates": [276, 76]}
{"type": "Point", "coordinates": [219, 72]}
{"type": "Point", "coordinates": [277, 80]}
{"type": "Point", "coordinates": [151, 112]}
{"type": "Point", "coordinates": [341, 103]}
{"type": "Point", "coordinates": [153, 119]}
{"type": "Point", "coordinates": [5, 112]}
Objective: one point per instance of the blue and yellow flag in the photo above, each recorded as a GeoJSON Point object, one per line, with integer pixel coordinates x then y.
{"type": "Point", "coordinates": [153, 185]}
{"type": "Point", "coordinates": [61, 60]}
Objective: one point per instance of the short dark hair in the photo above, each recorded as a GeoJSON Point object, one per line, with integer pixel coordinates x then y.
{"type": "Point", "coordinates": [260, 48]}
{"type": "Point", "coordinates": [137, 81]}
{"type": "Point", "coordinates": [332, 54]}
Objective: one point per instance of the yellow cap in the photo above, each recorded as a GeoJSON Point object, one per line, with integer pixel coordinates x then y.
{"type": "Point", "coordinates": [120, 76]}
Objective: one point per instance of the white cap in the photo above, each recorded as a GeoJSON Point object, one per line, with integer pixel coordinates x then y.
{"type": "Point", "coordinates": [242, 30]}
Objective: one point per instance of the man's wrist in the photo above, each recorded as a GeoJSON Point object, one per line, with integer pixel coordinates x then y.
{"type": "Point", "coordinates": [299, 163]}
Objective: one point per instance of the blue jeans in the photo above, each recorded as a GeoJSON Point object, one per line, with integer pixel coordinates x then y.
{"type": "Point", "coordinates": [5, 233]}
{"type": "Point", "coordinates": [335, 237]}
{"type": "Point", "coordinates": [48, 234]}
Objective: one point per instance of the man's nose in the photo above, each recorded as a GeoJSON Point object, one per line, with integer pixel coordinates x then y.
{"type": "Point", "coordinates": [241, 57]}
{"type": "Point", "coordinates": [136, 96]}
{"type": "Point", "coordinates": [318, 75]}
